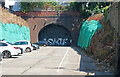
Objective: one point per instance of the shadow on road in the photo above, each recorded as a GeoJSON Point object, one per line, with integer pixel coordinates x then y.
{"type": "Point", "coordinates": [18, 55]}
{"type": "Point", "coordinates": [14, 57]}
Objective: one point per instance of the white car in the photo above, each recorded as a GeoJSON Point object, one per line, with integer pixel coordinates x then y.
{"type": "Point", "coordinates": [24, 44]}
{"type": "Point", "coordinates": [8, 50]}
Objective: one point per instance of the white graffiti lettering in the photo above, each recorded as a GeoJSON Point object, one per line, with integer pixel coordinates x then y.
{"type": "Point", "coordinates": [54, 41]}
{"type": "Point", "coordinates": [50, 41]}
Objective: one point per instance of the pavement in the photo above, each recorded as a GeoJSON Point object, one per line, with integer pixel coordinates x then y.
{"type": "Point", "coordinates": [51, 61]}
{"type": "Point", "coordinates": [88, 65]}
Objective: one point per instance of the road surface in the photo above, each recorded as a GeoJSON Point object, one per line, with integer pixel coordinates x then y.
{"type": "Point", "coordinates": [51, 61]}
{"type": "Point", "coordinates": [45, 61]}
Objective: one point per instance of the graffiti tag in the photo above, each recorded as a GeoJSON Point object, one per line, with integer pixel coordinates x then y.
{"type": "Point", "coordinates": [54, 41]}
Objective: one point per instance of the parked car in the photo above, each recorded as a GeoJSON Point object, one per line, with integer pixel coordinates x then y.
{"type": "Point", "coordinates": [0, 56]}
{"type": "Point", "coordinates": [35, 46]}
{"type": "Point", "coordinates": [8, 50]}
{"type": "Point", "coordinates": [21, 50]}
{"type": "Point", "coordinates": [41, 43]}
{"type": "Point", "coordinates": [24, 44]}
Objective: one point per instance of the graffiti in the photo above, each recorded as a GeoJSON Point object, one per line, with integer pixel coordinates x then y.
{"type": "Point", "coordinates": [58, 41]}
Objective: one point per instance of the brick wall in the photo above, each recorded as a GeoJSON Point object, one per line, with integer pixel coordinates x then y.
{"type": "Point", "coordinates": [45, 13]}
{"type": "Point", "coordinates": [65, 19]}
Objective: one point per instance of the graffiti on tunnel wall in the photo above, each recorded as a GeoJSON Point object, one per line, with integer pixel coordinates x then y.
{"type": "Point", "coordinates": [56, 41]}
{"type": "Point", "coordinates": [55, 35]}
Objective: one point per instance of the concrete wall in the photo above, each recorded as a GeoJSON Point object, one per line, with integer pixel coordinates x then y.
{"type": "Point", "coordinates": [113, 16]}
{"type": "Point", "coordinates": [119, 15]}
{"type": "Point", "coordinates": [69, 20]}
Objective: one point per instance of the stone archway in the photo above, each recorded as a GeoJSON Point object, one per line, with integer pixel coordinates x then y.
{"type": "Point", "coordinates": [55, 35]}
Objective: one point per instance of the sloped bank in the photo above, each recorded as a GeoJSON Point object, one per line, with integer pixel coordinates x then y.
{"type": "Point", "coordinates": [88, 29]}
{"type": "Point", "coordinates": [12, 27]}
{"type": "Point", "coordinates": [97, 39]}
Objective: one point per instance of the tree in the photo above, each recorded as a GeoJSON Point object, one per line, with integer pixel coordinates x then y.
{"type": "Point", "coordinates": [53, 3]}
{"type": "Point", "coordinates": [29, 6]}
{"type": "Point", "coordinates": [87, 8]}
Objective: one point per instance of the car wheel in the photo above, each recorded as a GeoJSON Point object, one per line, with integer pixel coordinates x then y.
{"type": "Point", "coordinates": [34, 48]}
{"type": "Point", "coordinates": [28, 50]}
{"type": "Point", "coordinates": [6, 54]}
{"type": "Point", "coordinates": [22, 52]}
{"type": "Point", "coordinates": [44, 45]}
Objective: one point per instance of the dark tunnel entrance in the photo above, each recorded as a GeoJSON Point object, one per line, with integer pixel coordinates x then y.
{"type": "Point", "coordinates": [55, 35]}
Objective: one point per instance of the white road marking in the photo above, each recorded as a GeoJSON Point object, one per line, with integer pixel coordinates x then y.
{"type": "Point", "coordinates": [62, 60]}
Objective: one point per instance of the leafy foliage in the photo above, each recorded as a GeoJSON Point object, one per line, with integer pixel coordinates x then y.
{"type": "Point", "coordinates": [28, 6]}
{"type": "Point", "coordinates": [53, 3]}
{"type": "Point", "coordinates": [88, 8]}
{"type": "Point", "coordinates": [105, 12]}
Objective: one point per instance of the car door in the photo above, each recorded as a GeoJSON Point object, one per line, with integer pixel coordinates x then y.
{"type": "Point", "coordinates": [3, 46]}
{"type": "Point", "coordinates": [24, 44]}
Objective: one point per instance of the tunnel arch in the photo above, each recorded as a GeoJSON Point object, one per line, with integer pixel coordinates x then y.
{"type": "Point", "coordinates": [55, 35]}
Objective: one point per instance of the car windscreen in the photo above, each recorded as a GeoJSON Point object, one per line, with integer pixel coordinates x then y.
{"type": "Point", "coordinates": [17, 43]}
{"type": "Point", "coordinates": [24, 43]}
{"type": "Point", "coordinates": [3, 44]}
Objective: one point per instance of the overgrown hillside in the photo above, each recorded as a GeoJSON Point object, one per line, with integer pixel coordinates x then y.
{"type": "Point", "coordinates": [7, 17]}
{"type": "Point", "coordinates": [12, 27]}
{"type": "Point", "coordinates": [102, 47]}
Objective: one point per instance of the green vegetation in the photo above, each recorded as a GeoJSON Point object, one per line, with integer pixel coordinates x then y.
{"type": "Point", "coordinates": [29, 6]}
{"type": "Point", "coordinates": [105, 12]}
{"type": "Point", "coordinates": [87, 8]}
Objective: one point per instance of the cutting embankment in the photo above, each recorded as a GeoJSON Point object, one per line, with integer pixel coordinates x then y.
{"type": "Point", "coordinates": [13, 28]}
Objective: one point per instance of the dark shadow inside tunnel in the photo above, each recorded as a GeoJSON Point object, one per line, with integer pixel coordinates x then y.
{"type": "Point", "coordinates": [55, 35]}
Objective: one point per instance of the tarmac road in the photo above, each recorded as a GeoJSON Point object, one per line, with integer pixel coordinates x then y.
{"type": "Point", "coordinates": [51, 61]}
{"type": "Point", "coordinates": [45, 61]}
